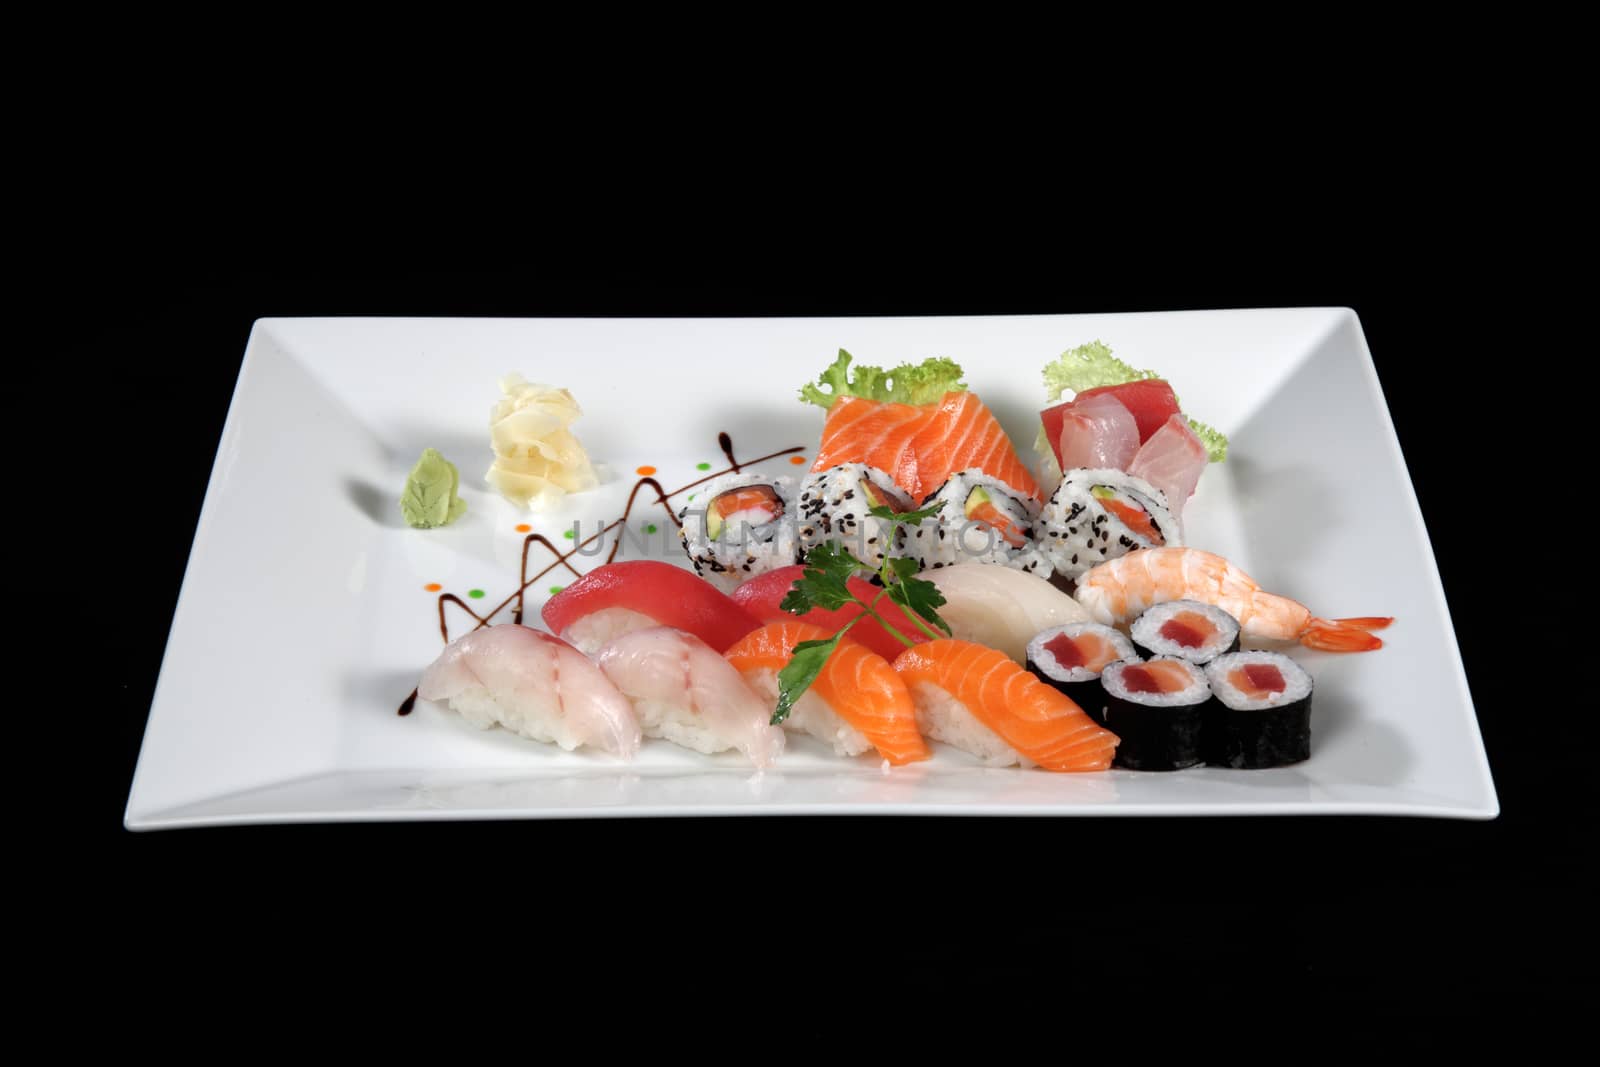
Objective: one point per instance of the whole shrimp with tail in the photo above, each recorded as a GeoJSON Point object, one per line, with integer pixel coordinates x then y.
{"type": "Point", "coordinates": [1117, 590]}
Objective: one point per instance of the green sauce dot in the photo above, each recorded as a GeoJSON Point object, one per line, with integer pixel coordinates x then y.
{"type": "Point", "coordinates": [475, 594]}
{"type": "Point", "coordinates": [554, 589]}
{"type": "Point", "coordinates": [649, 527]}
{"type": "Point", "coordinates": [567, 534]}
{"type": "Point", "coordinates": [702, 466]}
{"type": "Point", "coordinates": [693, 495]}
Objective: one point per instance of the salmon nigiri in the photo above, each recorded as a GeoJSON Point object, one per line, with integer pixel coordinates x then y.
{"type": "Point", "coordinates": [980, 701]}
{"type": "Point", "coordinates": [857, 702]}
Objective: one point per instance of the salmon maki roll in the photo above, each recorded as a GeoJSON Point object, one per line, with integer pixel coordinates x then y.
{"type": "Point", "coordinates": [980, 701]}
{"type": "Point", "coordinates": [856, 703]}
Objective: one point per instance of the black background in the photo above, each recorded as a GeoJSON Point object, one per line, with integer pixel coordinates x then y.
{"type": "Point", "coordinates": [1412, 915]}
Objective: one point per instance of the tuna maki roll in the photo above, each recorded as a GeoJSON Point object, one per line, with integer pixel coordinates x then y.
{"type": "Point", "coordinates": [1071, 658]}
{"type": "Point", "coordinates": [1159, 709]}
{"type": "Point", "coordinates": [1262, 717]}
{"type": "Point", "coordinates": [1187, 629]}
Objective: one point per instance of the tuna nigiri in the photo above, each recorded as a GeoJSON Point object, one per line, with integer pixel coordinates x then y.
{"type": "Point", "coordinates": [685, 692]}
{"type": "Point", "coordinates": [760, 596]}
{"type": "Point", "coordinates": [979, 701]}
{"type": "Point", "coordinates": [619, 598]}
{"type": "Point", "coordinates": [857, 701]}
{"type": "Point", "coordinates": [534, 685]}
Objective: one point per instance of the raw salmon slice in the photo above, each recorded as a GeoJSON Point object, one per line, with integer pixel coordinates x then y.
{"type": "Point", "coordinates": [1028, 715]}
{"type": "Point", "coordinates": [877, 434]}
{"type": "Point", "coordinates": [960, 433]}
{"type": "Point", "coordinates": [860, 686]}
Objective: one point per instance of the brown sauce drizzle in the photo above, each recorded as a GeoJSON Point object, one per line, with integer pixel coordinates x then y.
{"type": "Point", "coordinates": [564, 559]}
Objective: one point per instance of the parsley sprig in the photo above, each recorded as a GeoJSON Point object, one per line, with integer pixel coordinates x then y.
{"type": "Point", "coordinates": [825, 584]}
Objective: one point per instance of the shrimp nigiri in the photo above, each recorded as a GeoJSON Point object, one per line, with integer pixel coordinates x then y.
{"type": "Point", "coordinates": [1117, 590]}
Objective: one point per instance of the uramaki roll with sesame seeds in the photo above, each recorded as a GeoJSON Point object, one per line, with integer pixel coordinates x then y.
{"type": "Point", "coordinates": [739, 526]}
{"type": "Point", "coordinates": [836, 505]}
{"type": "Point", "coordinates": [1097, 515]}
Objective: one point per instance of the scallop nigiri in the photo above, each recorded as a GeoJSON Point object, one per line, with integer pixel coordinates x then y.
{"type": "Point", "coordinates": [856, 703]}
{"type": "Point", "coordinates": [979, 701]}
{"type": "Point", "coordinates": [532, 684]}
{"type": "Point", "coordinates": [684, 691]}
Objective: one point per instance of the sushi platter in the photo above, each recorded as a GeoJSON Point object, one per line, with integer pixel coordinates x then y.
{"type": "Point", "coordinates": [918, 566]}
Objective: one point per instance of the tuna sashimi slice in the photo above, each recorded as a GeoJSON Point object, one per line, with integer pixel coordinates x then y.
{"type": "Point", "coordinates": [1171, 461]}
{"type": "Point", "coordinates": [1098, 432]}
{"type": "Point", "coordinates": [1151, 401]}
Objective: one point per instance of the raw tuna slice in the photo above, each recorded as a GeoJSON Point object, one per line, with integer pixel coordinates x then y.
{"type": "Point", "coordinates": [1097, 432]}
{"type": "Point", "coordinates": [1152, 403]}
{"type": "Point", "coordinates": [1171, 461]}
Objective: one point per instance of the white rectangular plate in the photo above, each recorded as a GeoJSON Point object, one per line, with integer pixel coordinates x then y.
{"type": "Point", "coordinates": [304, 621]}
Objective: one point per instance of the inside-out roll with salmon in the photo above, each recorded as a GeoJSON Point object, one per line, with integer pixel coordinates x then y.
{"type": "Point", "coordinates": [980, 701]}
{"type": "Point", "coordinates": [855, 704]}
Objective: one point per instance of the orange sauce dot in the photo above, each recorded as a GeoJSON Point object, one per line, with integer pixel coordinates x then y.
{"type": "Point", "coordinates": [433, 587]}
{"type": "Point", "coordinates": [645, 471]}
{"type": "Point", "coordinates": [523, 527]}
{"type": "Point", "coordinates": [797, 460]}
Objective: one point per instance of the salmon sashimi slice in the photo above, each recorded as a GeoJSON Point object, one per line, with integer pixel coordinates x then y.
{"type": "Point", "coordinates": [1031, 717]}
{"type": "Point", "coordinates": [859, 685]}
{"type": "Point", "coordinates": [877, 434]}
{"type": "Point", "coordinates": [960, 433]}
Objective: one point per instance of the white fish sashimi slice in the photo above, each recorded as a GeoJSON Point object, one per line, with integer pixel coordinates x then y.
{"type": "Point", "coordinates": [683, 691]}
{"type": "Point", "coordinates": [532, 684]}
{"type": "Point", "coordinates": [1001, 607]}
{"type": "Point", "coordinates": [1172, 461]}
{"type": "Point", "coordinates": [1098, 431]}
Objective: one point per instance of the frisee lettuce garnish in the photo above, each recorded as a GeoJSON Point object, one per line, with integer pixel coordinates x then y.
{"type": "Point", "coordinates": [1092, 366]}
{"type": "Point", "coordinates": [909, 383]}
{"type": "Point", "coordinates": [1089, 367]}
{"type": "Point", "coordinates": [825, 584]}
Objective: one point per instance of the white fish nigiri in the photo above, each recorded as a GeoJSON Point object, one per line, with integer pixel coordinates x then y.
{"type": "Point", "coordinates": [682, 690]}
{"type": "Point", "coordinates": [532, 684]}
{"type": "Point", "coordinates": [1000, 607]}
